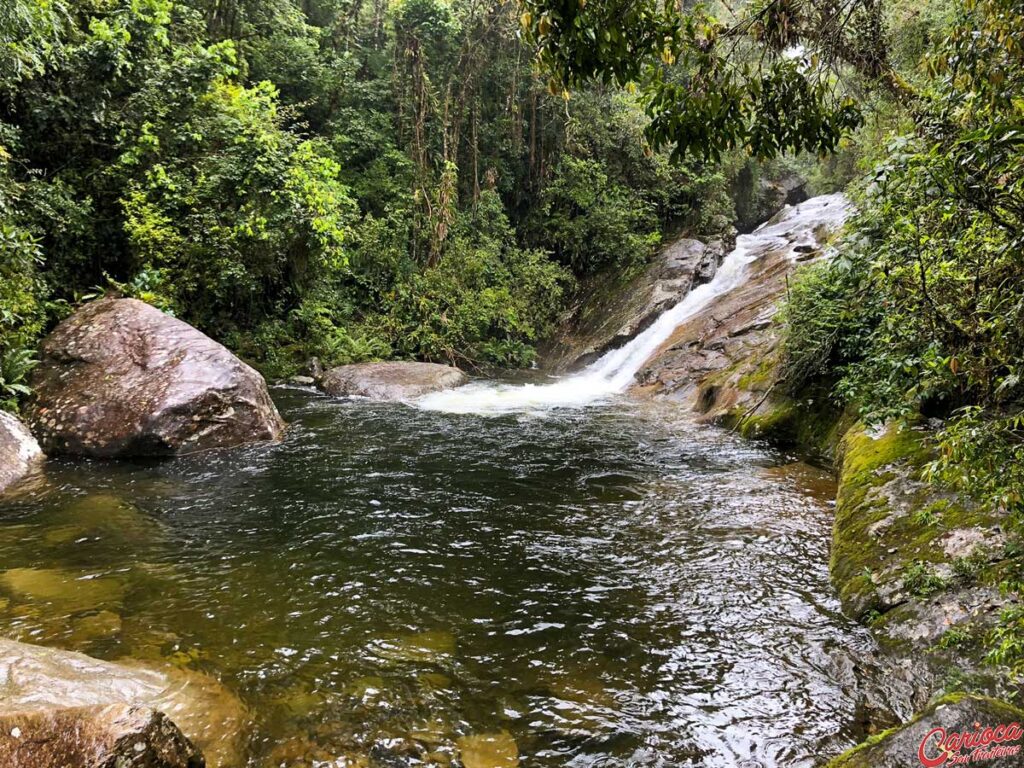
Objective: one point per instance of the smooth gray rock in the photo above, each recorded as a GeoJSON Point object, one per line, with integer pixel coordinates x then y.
{"type": "Point", "coordinates": [390, 381]}
{"type": "Point", "coordinates": [19, 451]}
{"type": "Point", "coordinates": [121, 378]}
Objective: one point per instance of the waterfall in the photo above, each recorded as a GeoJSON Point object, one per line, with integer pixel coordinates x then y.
{"type": "Point", "coordinates": [794, 230]}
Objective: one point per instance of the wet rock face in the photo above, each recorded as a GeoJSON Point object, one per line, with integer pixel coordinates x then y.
{"type": "Point", "coordinates": [943, 725]}
{"type": "Point", "coordinates": [918, 561]}
{"type": "Point", "coordinates": [757, 198]}
{"type": "Point", "coordinates": [704, 361]}
{"type": "Point", "coordinates": [121, 378]}
{"type": "Point", "coordinates": [723, 361]}
{"type": "Point", "coordinates": [390, 381]}
{"type": "Point", "coordinates": [611, 313]}
{"type": "Point", "coordinates": [40, 685]}
{"type": "Point", "coordinates": [19, 451]}
{"type": "Point", "coordinates": [115, 736]}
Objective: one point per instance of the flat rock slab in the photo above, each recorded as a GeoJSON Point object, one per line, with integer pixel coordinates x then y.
{"type": "Point", "coordinates": [391, 381]}
{"type": "Point", "coordinates": [938, 727]}
{"type": "Point", "coordinates": [19, 451]}
{"type": "Point", "coordinates": [121, 378]}
{"type": "Point", "coordinates": [113, 736]}
{"type": "Point", "coordinates": [45, 681]}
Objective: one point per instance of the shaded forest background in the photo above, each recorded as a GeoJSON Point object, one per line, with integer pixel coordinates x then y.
{"type": "Point", "coordinates": [352, 180]}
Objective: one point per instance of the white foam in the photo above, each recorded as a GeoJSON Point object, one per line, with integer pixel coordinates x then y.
{"type": "Point", "coordinates": [614, 372]}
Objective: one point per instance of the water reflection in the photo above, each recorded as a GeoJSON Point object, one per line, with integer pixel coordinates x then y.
{"type": "Point", "coordinates": [398, 587]}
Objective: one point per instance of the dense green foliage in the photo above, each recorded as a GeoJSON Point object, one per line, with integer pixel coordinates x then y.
{"type": "Point", "coordinates": [716, 77]}
{"type": "Point", "coordinates": [924, 311]}
{"type": "Point", "coordinates": [922, 314]}
{"type": "Point", "coordinates": [348, 180]}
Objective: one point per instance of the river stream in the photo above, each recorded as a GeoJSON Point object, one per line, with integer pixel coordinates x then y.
{"type": "Point", "coordinates": [546, 573]}
{"type": "Point", "coordinates": [609, 586]}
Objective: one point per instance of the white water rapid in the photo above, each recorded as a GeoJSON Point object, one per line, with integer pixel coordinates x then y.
{"type": "Point", "coordinates": [614, 372]}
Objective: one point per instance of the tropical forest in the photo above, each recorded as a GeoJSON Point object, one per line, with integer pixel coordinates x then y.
{"type": "Point", "coordinates": [511, 383]}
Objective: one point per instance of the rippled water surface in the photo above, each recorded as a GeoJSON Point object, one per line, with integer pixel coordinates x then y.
{"type": "Point", "coordinates": [599, 587]}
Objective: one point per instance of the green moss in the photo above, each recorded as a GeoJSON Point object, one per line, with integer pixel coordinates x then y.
{"type": "Point", "coordinates": [889, 535]}
{"type": "Point", "coordinates": [812, 427]}
{"type": "Point", "coordinates": [762, 377]}
{"type": "Point", "coordinates": [864, 755]}
{"type": "Point", "coordinates": [864, 453]}
{"type": "Point", "coordinates": [850, 758]}
{"type": "Point", "coordinates": [868, 463]}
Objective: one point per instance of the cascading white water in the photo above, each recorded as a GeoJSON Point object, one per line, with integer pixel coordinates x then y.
{"type": "Point", "coordinates": [614, 372]}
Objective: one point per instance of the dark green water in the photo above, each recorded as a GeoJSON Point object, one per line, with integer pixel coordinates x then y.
{"type": "Point", "coordinates": [602, 587]}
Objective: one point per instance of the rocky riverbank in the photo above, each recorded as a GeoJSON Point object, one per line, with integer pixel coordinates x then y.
{"type": "Point", "coordinates": [118, 379]}
{"type": "Point", "coordinates": [919, 566]}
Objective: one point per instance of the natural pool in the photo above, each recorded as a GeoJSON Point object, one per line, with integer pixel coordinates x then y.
{"type": "Point", "coordinates": [609, 586]}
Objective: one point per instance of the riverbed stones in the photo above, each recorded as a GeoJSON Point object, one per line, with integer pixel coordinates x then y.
{"type": "Point", "coordinates": [19, 451]}
{"type": "Point", "coordinates": [68, 591]}
{"type": "Point", "coordinates": [430, 647]}
{"type": "Point", "coordinates": [103, 519]}
{"type": "Point", "coordinates": [959, 713]}
{"type": "Point", "coordinates": [99, 625]}
{"type": "Point", "coordinates": [113, 736]}
{"type": "Point", "coordinates": [488, 750]}
{"type": "Point", "coordinates": [390, 381]}
{"type": "Point", "coordinates": [121, 378]}
{"type": "Point", "coordinates": [45, 681]}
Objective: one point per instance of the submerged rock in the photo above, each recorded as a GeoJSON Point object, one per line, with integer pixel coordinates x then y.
{"type": "Point", "coordinates": [19, 451]}
{"type": "Point", "coordinates": [121, 378]}
{"type": "Point", "coordinates": [488, 750]}
{"type": "Point", "coordinates": [431, 647]}
{"type": "Point", "coordinates": [390, 381]}
{"type": "Point", "coordinates": [44, 681]}
{"type": "Point", "coordinates": [70, 591]}
{"type": "Point", "coordinates": [114, 736]}
{"type": "Point", "coordinates": [100, 517]}
{"type": "Point", "coordinates": [936, 727]}
{"type": "Point", "coordinates": [95, 626]}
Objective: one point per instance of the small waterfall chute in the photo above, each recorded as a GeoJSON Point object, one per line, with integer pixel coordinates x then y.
{"type": "Point", "coordinates": [614, 371]}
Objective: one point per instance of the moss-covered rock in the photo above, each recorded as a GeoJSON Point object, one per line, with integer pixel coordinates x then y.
{"type": "Point", "coordinates": [907, 556]}
{"type": "Point", "coordinates": [957, 713]}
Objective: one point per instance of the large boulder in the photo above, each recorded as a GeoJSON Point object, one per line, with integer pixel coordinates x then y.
{"type": "Point", "coordinates": [390, 381]}
{"type": "Point", "coordinates": [114, 736]}
{"type": "Point", "coordinates": [38, 685]}
{"type": "Point", "coordinates": [19, 451]}
{"type": "Point", "coordinates": [956, 730]}
{"type": "Point", "coordinates": [121, 378]}
{"type": "Point", "coordinates": [757, 197]}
